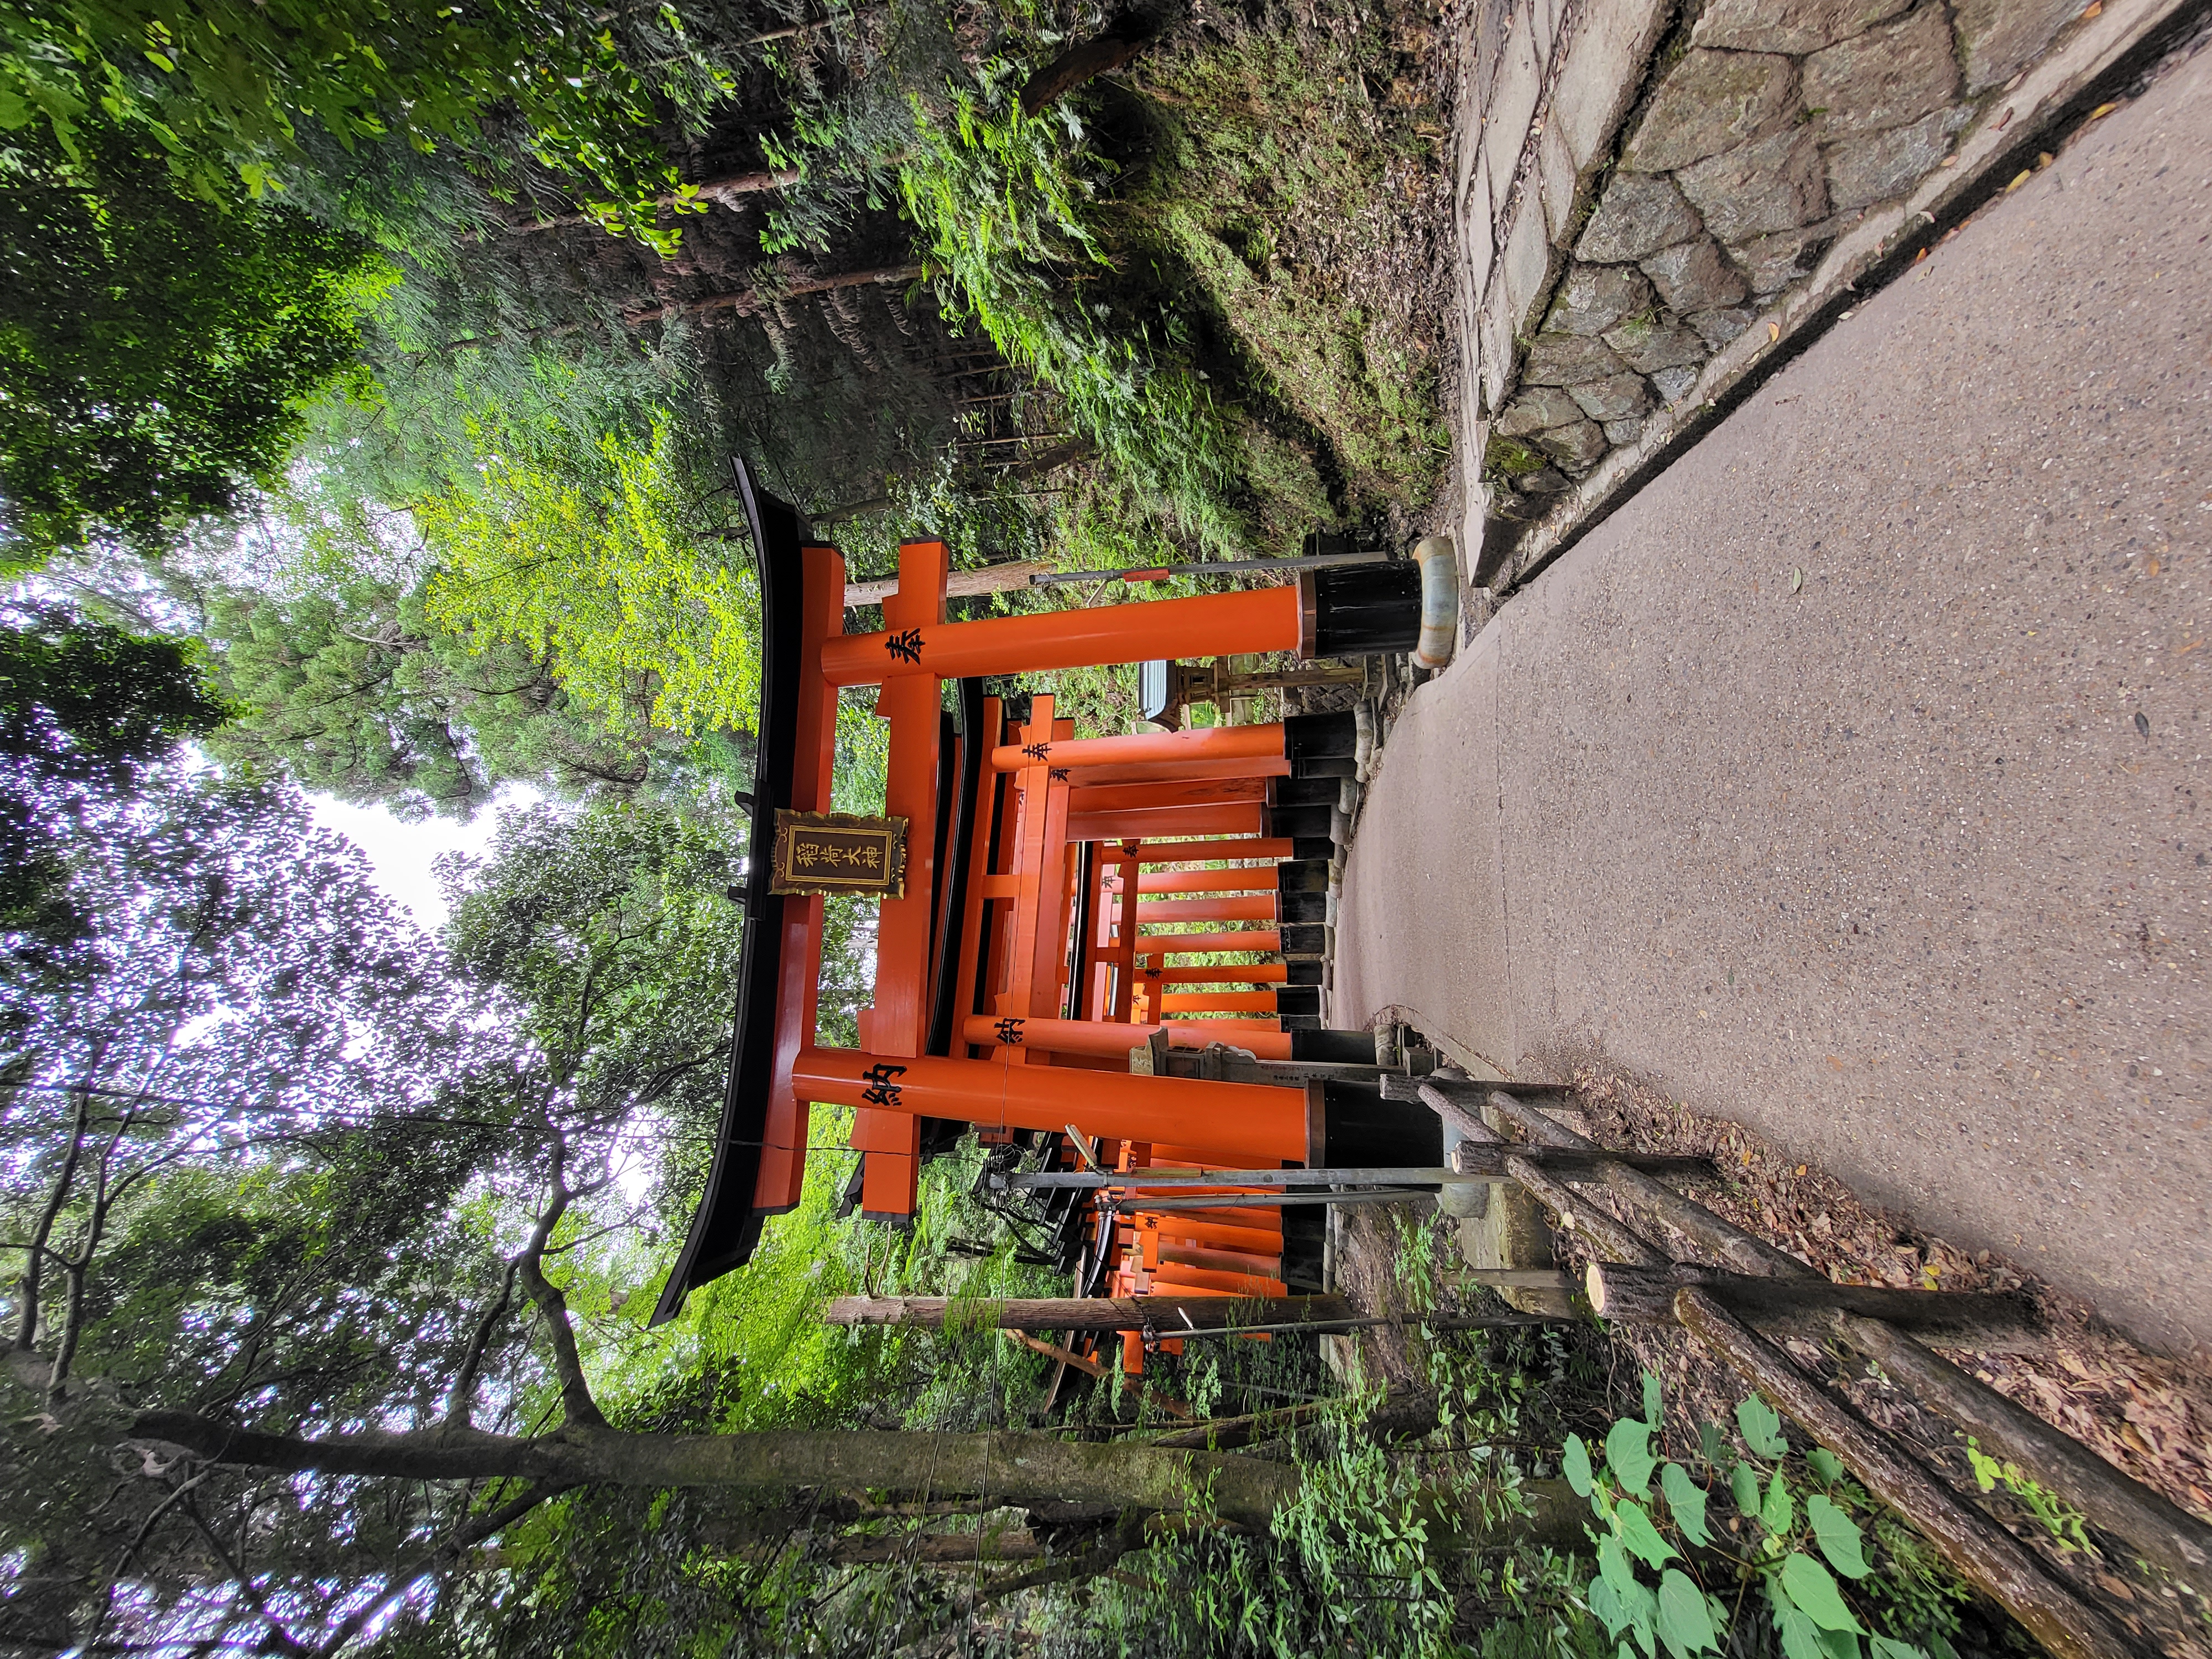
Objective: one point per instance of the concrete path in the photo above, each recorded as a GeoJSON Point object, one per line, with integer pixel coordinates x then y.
{"type": "Point", "coordinates": [1905, 867]}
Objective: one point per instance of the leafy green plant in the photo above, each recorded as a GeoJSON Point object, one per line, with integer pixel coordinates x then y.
{"type": "Point", "coordinates": [2066, 1523]}
{"type": "Point", "coordinates": [1792, 1543]}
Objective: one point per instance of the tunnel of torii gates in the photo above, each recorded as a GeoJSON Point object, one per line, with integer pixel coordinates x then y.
{"type": "Point", "coordinates": [1018, 988]}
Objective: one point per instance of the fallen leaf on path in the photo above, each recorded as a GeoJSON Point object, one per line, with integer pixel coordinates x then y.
{"type": "Point", "coordinates": [1918, 256]}
{"type": "Point", "coordinates": [2142, 722]}
{"type": "Point", "coordinates": [2092, 9]}
{"type": "Point", "coordinates": [2026, 173]}
{"type": "Point", "coordinates": [1773, 332]}
{"type": "Point", "coordinates": [2102, 111]}
{"type": "Point", "coordinates": [2002, 124]}
{"type": "Point", "coordinates": [1797, 580]}
{"type": "Point", "coordinates": [2044, 161]}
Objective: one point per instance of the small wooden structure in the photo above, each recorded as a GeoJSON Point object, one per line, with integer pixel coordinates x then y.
{"type": "Point", "coordinates": [1026, 974]}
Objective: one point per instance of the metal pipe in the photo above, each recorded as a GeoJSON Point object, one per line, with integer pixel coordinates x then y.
{"type": "Point", "coordinates": [1439, 602]}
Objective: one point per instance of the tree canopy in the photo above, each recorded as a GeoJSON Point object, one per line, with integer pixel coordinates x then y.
{"type": "Point", "coordinates": [85, 709]}
{"type": "Point", "coordinates": [156, 346]}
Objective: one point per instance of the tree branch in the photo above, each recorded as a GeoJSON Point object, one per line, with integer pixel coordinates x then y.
{"type": "Point", "coordinates": [461, 1399]}
{"type": "Point", "coordinates": [285, 1641]}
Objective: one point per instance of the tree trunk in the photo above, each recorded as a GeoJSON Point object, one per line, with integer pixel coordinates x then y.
{"type": "Point", "coordinates": [1645, 1296]}
{"type": "Point", "coordinates": [1086, 61]}
{"type": "Point", "coordinates": [746, 301]}
{"type": "Point", "coordinates": [1017, 1468]}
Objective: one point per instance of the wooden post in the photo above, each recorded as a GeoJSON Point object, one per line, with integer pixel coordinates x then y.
{"type": "Point", "coordinates": [2167, 1536]}
{"type": "Point", "coordinates": [1575, 1215]}
{"type": "Point", "coordinates": [2161, 1531]}
{"type": "Point", "coordinates": [1981, 1551]}
{"type": "Point", "coordinates": [1645, 1296]}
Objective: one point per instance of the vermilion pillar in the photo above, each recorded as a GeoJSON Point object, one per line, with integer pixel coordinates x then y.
{"type": "Point", "coordinates": [1228, 1119]}
{"type": "Point", "coordinates": [1211, 625]}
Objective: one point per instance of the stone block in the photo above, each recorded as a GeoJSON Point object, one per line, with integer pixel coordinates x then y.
{"type": "Point", "coordinates": [1556, 180]}
{"type": "Point", "coordinates": [1638, 215]}
{"type": "Point", "coordinates": [1617, 433]}
{"type": "Point", "coordinates": [1593, 298]}
{"type": "Point", "coordinates": [1615, 397]}
{"type": "Point", "coordinates": [1500, 350]}
{"type": "Point", "coordinates": [1647, 347]}
{"type": "Point", "coordinates": [1537, 409]}
{"type": "Point", "coordinates": [1512, 105]}
{"type": "Point", "coordinates": [1478, 237]}
{"type": "Point", "coordinates": [1885, 78]}
{"type": "Point", "coordinates": [1575, 446]}
{"type": "Point", "coordinates": [1544, 17]}
{"type": "Point", "coordinates": [1795, 26]}
{"type": "Point", "coordinates": [1598, 84]}
{"type": "Point", "coordinates": [1710, 102]}
{"type": "Point", "coordinates": [1672, 385]}
{"type": "Point", "coordinates": [1774, 183]}
{"type": "Point", "coordinates": [1544, 481]}
{"type": "Point", "coordinates": [1997, 38]}
{"type": "Point", "coordinates": [1567, 358]}
{"type": "Point", "coordinates": [1772, 262]}
{"type": "Point", "coordinates": [1861, 171]}
{"type": "Point", "coordinates": [1526, 275]}
{"type": "Point", "coordinates": [1719, 326]}
{"type": "Point", "coordinates": [1693, 276]}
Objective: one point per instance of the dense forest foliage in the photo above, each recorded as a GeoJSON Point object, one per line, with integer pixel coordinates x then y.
{"type": "Point", "coordinates": [368, 378]}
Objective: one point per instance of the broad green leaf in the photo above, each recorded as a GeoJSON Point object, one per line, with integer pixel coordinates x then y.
{"type": "Point", "coordinates": [1714, 1444]}
{"type": "Point", "coordinates": [1841, 1644]}
{"type": "Point", "coordinates": [1576, 1466]}
{"type": "Point", "coordinates": [1613, 1567]}
{"type": "Point", "coordinates": [1639, 1536]}
{"type": "Point", "coordinates": [1826, 1464]}
{"type": "Point", "coordinates": [1779, 1508]}
{"type": "Point", "coordinates": [1654, 1405]}
{"type": "Point", "coordinates": [1761, 1428]}
{"type": "Point", "coordinates": [1606, 1604]}
{"type": "Point", "coordinates": [1801, 1637]}
{"type": "Point", "coordinates": [1889, 1647]}
{"type": "Point", "coordinates": [1684, 1624]}
{"type": "Point", "coordinates": [1743, 1487]}
{"type": "Point", "coordinates": [1812, 1590]}
{"type": "Point", "coordinates": [1628, 1453]}
{"type": "Point", "coordinates": [1685, 1502]}
{"type": "Point", "coordinates": [1839, 1536]}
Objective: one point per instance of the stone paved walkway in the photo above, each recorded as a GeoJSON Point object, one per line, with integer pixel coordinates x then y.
{"type": "Point", "coordinates": [1903, 865]}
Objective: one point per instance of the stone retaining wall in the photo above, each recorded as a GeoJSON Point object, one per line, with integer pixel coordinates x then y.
{"type": "Point", "coordinates": [1637, 184]}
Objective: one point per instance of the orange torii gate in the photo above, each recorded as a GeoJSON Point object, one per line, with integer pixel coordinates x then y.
{"type": "Point", "coordinates": [1024, 961]}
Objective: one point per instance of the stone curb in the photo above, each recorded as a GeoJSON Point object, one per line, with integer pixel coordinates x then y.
{"type": "Point", "coordinates": [2109, 51]}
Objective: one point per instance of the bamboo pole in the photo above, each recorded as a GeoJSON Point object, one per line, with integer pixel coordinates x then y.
{"type": "Point", "coordinates": [1163, 1313]}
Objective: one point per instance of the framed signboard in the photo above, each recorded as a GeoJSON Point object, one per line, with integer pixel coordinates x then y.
{"type": "Point", "coordinates": [838, 853]}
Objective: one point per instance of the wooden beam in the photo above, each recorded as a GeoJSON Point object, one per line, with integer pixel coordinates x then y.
{"type": "Point", "coordinates": [1645, 1296]}
{"type": "Point", "coordinates": [1166, 1316]}
{"type": "Point", "coordinates": [1978, 1549]}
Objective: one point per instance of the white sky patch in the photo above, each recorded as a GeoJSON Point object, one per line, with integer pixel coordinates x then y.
{"type": "Point", "coordinates": [400, 854]}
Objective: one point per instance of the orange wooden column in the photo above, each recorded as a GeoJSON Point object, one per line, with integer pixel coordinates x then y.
{"type": "Point", "coordinates": [1210, 744]}
{"type": "Point", "coordinates": [1245, 973]}
{"type": "Point", "coordinates": [1153, 794]}
{"type": "Point", "coordinates": [1248, 878]}
{"type": "Point", "coordinates": [798, 951]}
{"type": "Point", "coordinates": [1267, 941]}
{"type": "Point", "coordinates": [1235, 907]}
{"type": "Point", "coordinates": [1210, 625]}
{"type": "Point", "coordinates": [1233, 845]}
{"type": "Point", "coordinates": [978, 855]}
{"type": "Point", "coordinates": [1218, 1002]}
{"type": "Point", "coordinates": [1037, 942]}
{"type": "Point", "coordinates": [899, 1022]}
{"type": "Point", "coordinates": [1125, 934]}
{"type": "Point", "coordinates": [1106, 1039]}
{"type": "Point", "coordinates": [1225, 1120]}
{"type": "Point", "coordinates": [1234, 818]}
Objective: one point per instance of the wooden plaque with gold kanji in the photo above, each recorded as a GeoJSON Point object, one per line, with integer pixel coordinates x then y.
{"type": "Point", "coordinates": [838, 853]}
